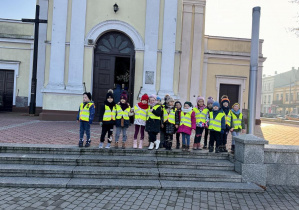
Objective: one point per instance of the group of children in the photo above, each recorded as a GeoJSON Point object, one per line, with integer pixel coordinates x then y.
{"type": "Point", "coordinates": [150, 115]}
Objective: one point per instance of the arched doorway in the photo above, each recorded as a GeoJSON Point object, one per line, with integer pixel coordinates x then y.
{"type": "Point", "coordinates": [114, 66]}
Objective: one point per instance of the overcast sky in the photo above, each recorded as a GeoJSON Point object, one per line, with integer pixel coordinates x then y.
{"type": "Point", "coordinates": [231, 18]}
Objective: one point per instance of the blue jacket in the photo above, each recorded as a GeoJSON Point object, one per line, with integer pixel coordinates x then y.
{"type": "Point", "coordinates": [91, 113]}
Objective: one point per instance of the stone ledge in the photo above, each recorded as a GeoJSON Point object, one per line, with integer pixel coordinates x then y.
{"type": "Point", "coordinates": [250, 139]}
{"type": "Point", "coordinates": [282, 148]}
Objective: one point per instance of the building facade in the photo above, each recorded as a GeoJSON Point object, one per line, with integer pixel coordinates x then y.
{"type": "Point", "coordinates": [154, 47]}
{"type": "Point", "coordinates": [267, 94]}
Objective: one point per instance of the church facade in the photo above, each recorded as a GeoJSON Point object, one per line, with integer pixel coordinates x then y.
{"type": "Point", "coordinates": [154, 47]}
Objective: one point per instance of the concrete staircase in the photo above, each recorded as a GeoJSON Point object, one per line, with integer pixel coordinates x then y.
{"type": "Point", "coordinates": [69, 166]}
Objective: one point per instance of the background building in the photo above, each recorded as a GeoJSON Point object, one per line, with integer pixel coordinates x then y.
{"type": "Point", "coordinates": [156, 46]}
{"type": "Point", "coordinates": [267, 94]}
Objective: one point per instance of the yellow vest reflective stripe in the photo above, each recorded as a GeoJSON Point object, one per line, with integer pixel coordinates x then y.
{"type": "Point", "coordinates": [170, 117]}
{"type": "Point", "coordinates": [186, 119]}
{"type": "Point", "coordinates": [215, 124]}
{"type": "Point", "coordinates": [122, 113]}
{"type": "Point", "coordinates": [228, 118]}
{"type": "Point", "coordinates": [237, 122]}
{"type": "Point", "coordinates": [140, 113]}
{"type": "Point", "coordinates": [152, 116]}
{"type": "Point", "coordinates": [201, 116]}
{"type": "Point", "coordinates": [109, 115]}
{"type": "Point", "coordinates": [84, 112]}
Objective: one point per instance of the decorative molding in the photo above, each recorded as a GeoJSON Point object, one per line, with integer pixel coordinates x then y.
{"type": "Point", "coordinates": [117, 25]}
{"type": "Point", "coordinates": [15, 48]}
{"type": "Point", "coordinates": [14, 40]}
{"type": "Point", "coordinates": [14, 21]}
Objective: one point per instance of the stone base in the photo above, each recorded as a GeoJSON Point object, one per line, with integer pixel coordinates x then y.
{"type": "Point", "coordinates": [38, 110]}
{"type": "Point", "coordinates": [56, 115]}
{"type": "Point", "coordinates": [255, 173]}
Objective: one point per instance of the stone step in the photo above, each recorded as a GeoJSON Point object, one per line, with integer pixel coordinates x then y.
{"type": "Point", "coordinates": [127, 184]}
{"type": "Point", "coordinates": [75, 150]}
{"type": "Point", "coordinates": [116, 161]}
{"type": "Point", "coordinates": [88, 172]}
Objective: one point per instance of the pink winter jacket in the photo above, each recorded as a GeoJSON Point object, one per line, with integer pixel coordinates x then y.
{"type": "Point", "coordinates": [185, 129]}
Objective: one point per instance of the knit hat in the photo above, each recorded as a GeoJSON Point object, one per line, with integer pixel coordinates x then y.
{"type": "Point", "coordinates": [189, 103]}
{"type": "Point", "coordinates": [123, 95]}
{"type": "Point", "coordinates": [169, 99]}
{"type": "Point", "coordinates": [144, 97]}
{"type": "Point", "coordinates": [236, 104]}
{"type": "Point", "coordinates": [109, 94]}
{"type": "Point", "coordinates": [177, 102]}
{"type": "Point", "coordinates": [166, 97]}
{"type": "Point", "coordinates": [88, 94]}
{"type": "Point", "coordinates": [158, 98]}
{"type": "Point", "coordinates": [153, 96]}
{"type": "Point", "coordinates": [216, 103]}
{"type": "Point", "coordinates": [200, 98]}
{"type": "Point", "coordinates": [224, 99]}
{"type": "Point", "coordinates": [210, 100]}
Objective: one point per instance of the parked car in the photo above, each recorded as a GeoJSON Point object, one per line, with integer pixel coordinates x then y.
{"type": "Point", "coordinates": [270, 115]}
{"type": "Point", "coordinates": [292, 117]}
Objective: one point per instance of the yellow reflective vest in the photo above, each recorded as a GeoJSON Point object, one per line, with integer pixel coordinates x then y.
{"type": "Point", "coordinates": [201, 116]}
{"type": "Point", "coordinates": [140, 113]}
{"type": "Point", "coordinates": [170, 117]}
{"type": "Point", "coordinates": [237, 122]}
{"type": "Point", "coordinates": [122, 113]}
{"type": "Point", "coordinates": [152, 116]}
{"type": "Point", "coordinates": [108, 114]}
{"type": "Point", "coordinates": [186, 119]}
{"type": "Point", "coordinates": [84, 111]}
{"type": "Point", "coordinates": [215, 124]}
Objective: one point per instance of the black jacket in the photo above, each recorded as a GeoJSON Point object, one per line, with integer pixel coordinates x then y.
{"type": "Point", "coordinates": [102, 111]}
{"type": "Point", "coordinates": [154, 125]}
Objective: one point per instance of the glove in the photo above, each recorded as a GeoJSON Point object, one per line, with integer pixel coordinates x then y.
{"type": "Point", "coordinates": [222, 131]}
{"type": "Point", "coordinates": [101, 123]}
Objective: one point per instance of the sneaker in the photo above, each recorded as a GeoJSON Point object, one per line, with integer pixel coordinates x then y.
{"type": "Point", "coordinates": [80, 143]}
{"type": "Point", "coordinates": [87, 143]}
{"type": "Point", "coordinates": [205, 147]}
{"type": "Point", "coordinates": [151, 146]}
{"type": "Point", "coordinates": [217, 150]}
{"type": "Point", "coordinates": [157, 143]}
{"type": "Point", "coordinates": [108, 146]}
{"type": "Point", "coordinates": [211, 149]}
{"type": "Point", "coordinates": [198, 146]}
{"type": "Point", "coordinates": [101, 145]}
{"type": "Point", "coordinates": [195, 146]}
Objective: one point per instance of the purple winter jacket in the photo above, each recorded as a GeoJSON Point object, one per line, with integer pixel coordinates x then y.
{"type": "Point", "coordinates": [186, 129]}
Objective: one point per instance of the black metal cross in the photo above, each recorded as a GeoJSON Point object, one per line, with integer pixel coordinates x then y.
{"type": "Point", "coordinates": [36, 22]}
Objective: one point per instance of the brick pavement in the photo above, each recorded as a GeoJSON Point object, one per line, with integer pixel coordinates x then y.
{"type": "Point", "coordinates": [19, 128]}
{"type": "Point", "coordinates": [276, 197]}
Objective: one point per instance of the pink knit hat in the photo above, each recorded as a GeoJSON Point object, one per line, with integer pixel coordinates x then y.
{"type": "Point", "coordinates": [200, 98]}
{"type": "Point", "coordinates": [153, 96]}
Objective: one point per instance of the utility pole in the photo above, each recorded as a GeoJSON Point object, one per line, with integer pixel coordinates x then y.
{"type": "Point", "coordinates": [254, 56]}
{"type": "Point", "coordinates": [36, 22]}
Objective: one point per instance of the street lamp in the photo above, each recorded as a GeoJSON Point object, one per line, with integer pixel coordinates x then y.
{"type": "Point", "coordinates": [115, 7]}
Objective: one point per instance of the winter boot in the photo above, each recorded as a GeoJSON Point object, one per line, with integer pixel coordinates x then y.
{"type": "Point", "coordinates": [157, 143]}
{"type": "Point", "coordinates": [81, 143]}
{"type": "Point", "coordinates": [233, 149]}
{"type": "Point", "coordinates": [195, 146]}
{"type": "Point", "coordinates": [187, 148]}
{"type": "Point", "coordinates": [135, 143]}
{"type": "Point", "coordinates": [101, 145]}
{"type": "Point", "coordinates": [211, 149]}
{"type": "Point", "coordinates": [205, 147]}
{"type": "Point", "coordinates": [217, 150]}
{"type": "Point", "coordinates": [116, 145]}
{"type": "Point", "coordinates": [224, 148]}
{"type": "Point", "coordinates": [88, 143]}
{"type": "Point", "coordinates": [123, 146]}
{"type": "Point", "coordinates": [140, 144]}
{"type": "Point", "coordinates": [108, 146]}
{"type": "Point", "coordinates": [151, 146]}
{"type": "Point", "coordinates": [183, 147]}
{"type": "Point", "coordinates": [178, 144]}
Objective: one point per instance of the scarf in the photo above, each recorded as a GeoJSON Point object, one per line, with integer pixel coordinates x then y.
{"type": "Point", "coordinates": [111, 105]}
{"type": "Point", "coordinates": [187, 110]}
{"type": "Point", "coordinates": [225, 109]}
{"type": "Point", "coordinates": [201, 107]}
{"type": "Point", "coordinates": [142, 106]}
{"type": "Point", "coordinates": [124, 106]}
{"type": "Point", "coordinates": [236, 112]}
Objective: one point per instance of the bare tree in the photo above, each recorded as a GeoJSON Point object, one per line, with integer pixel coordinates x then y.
{"type": "Point", "coordinates": [296, 28]}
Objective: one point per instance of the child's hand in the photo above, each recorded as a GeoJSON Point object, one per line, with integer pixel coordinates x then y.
{"type": "Point", "coordinates": [176, 126]}
{"type": "Point", "coordinates": [101, 123]}
{"type": "Point", "coordinates": [231, 130]}
{"type": "Point", "coordinates": [151, 110]}
{"type": "Point", "coordinates": [162, 126]}
{"type": "Point", "coordinates": [243, 130]}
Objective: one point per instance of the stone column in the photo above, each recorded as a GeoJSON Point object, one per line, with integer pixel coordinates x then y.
{"type": "Point", "coordinates": [204, 79]}
{"type": "Point", "coordinates": [168, 47]}
{"type": "Point", "coordinates": [151, 47]}
{"type": "Point", "coordinates": [57, 59]}
{"type": "Point", "coordinates": [75, 75]}
{"type": "Point", "coordinates": [249, 158]}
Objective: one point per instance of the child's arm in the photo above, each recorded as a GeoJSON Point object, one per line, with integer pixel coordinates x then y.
{"type": "Point", "coordinates": [78, 115]}
{"type": "Point", "coordinates": [193, 121]}
{"type": "Point", "coordinates": [91, 113]}
{"type": "Point", "coordinates": [102, 111]}
{"type": "Point", "coordinates": [223, 123]}
{"type": "Point", "coordinates": [158, 111]}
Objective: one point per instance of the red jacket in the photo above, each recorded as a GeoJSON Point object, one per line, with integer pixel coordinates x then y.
{"type": "Point", "coordinates": [186, 129]}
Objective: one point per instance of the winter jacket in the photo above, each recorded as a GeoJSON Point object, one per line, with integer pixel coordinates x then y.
{"type": "Point", "coordinates": [168, 127]}
{"type": "Point", "coordinates": [118, 121]}
{"type": "Point", "coordinates": [242, 121]}
{"type": "Point", "coordinates": [102, 111]}
{"type": "Point", "coordinates": [223, 120]}
{"type": "Point", "coordinates": [91, 112]}
{"type": "Point", "coordinates": [186, 129]}
{"type": "Point", "coordinates": [153, 125]}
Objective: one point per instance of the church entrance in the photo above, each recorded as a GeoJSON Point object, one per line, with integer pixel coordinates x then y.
{"type": "Point", "coordinates": [232, 91]}
{"type": "Point", "coordinates": [6, 90]}
{"type": "Point", "coordinates": [114, 68]}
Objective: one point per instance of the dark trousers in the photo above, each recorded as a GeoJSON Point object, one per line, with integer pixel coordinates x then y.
{"type": "Point", "coordinates": [223, 138]}
{"type": "Point", "coordinates": [162, 138]}
{"type": "Point", "coordinates": [168, 140]}
{"type": "Point", "coordinates": [105, 129]}
{"type": "Point", "coordinates": [198, 134]}
{"type": "Point", "coordinates": [152, 136]}
{"type": "Point", "coordinates": [177, 135]}
{"type": "Point", "coordinates": [215, 136]}
{"type": "Point", "coordinates": [206, 136]}
{"type": "Point", "coordinates": [137, 127]}
{"type": "Point", "coordinates": [84, 127]}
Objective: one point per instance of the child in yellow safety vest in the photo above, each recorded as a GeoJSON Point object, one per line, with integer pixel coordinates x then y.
{"type": "Point", "coordinates": [210, 102]}
{"type": "Point", "coordinates": [237, 124]}
{"type": "Point", "coordinates": [226, 110]}
{"type": "Point", "coordinates": [170, 119]}
{"type": "Point", "coordinates": [187, 124]}
{"type": "Point", "coordinates": [216, 127]}
{"type": "Point", "coordinates": [140, 111]}
{"type": "Point", "coordinates": [85, 117]}
{"type": "Point", "coordinates": [123, 113]}
{"type": "Point", "coordinates": [178, 107]}
{"type": "Point", "coordinates": [201, 118]}
{"type": "Point", "coordinates": [107, 119]}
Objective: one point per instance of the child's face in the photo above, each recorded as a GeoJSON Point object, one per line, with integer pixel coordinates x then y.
{"type": "Point", "coordinates": [109, 99]}
{"type": "Point", "coordinates": [178, 106]}
{"type": "Point", "coordinates": [200, 102]}
{"type": "Point", "coordinates": [171, 103]}
{"type": "Point", "coordinates": [186, 106]}
{"type": "Point", "coordinates": [225, 104]}
{"type": "Point", "coordinates": [85, 98]}
{"type": "Point", "coordinates": [236, 107]}
{"type": "Point", "coordinates": [216, 108]}
{"type": "Point", "coordinates": [152, 100]}
{"type": "Point", "coordinates": [144, 101]}
{"type": "Point", "coordinates": [210, 106]}
{"type": "Point", "coordinates": [122, 101]}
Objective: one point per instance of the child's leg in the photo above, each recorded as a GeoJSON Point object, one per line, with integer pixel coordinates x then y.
{"type": "Point", "coordinates": [81, 130]}
{"type": "Point", "coordinates": [110, 133]}
{"type": "Point", "coordinates": [118, 130]}
{"type": "Point", "coordinates": [105, 129]}
{"type": "Point", "coordinates": [197, 135]}
{"type": "Point", "coordinates": [124, 134]}
{"type": "Point", "coordinates": [218, 140]}
{"type": "Point", "coordinates": [183, 139]}
{"type": "Point", "coordinates": [212, 138]}
{"type": "Point", "coordinates": [87, 130]}
{"type": "Point", "coordinates": [177, 135]}
{"type": "Point", "coordinates": [142, 132]}
{"type": "Point", "coordinates": [188, 140]}
{"type": "Point", "coordinates": [136, 131]}
{"type": "Point", "coordinates": [206, 136]}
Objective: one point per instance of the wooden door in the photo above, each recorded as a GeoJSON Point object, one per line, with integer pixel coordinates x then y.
{"type": "Point", "coordinates": [6, 89]}
{"type": "Point", "coordinates": [232, 91]}
{"type": "Point", "coordinates": [103, 79]}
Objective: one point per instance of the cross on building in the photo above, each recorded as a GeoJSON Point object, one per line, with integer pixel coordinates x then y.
{"type": "Point", "coordinates": [36, 22]}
